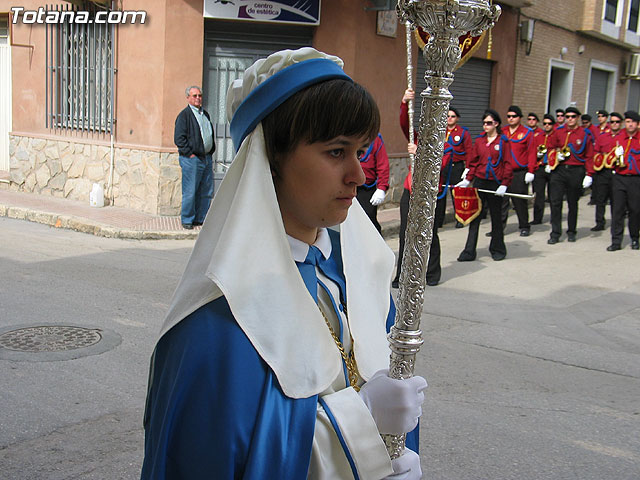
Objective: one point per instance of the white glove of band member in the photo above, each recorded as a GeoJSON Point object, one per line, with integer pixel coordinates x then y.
{"type": "Point", "coordinates": [559, 157]}
{"type": "Point", "coordinates": [502, 189]}
{"type": "Point", "coordinates": [528, 177]}
{"type": "Point", "coordinates": [464, 173]}
{"type": "Point", "coordinates": [406, 467]}
{"type": "Point", "coordinates": [463, 183]}
{"type": "Point", "coordinates": [587, 181]}
{"type": "Point", "coordinates": [378, 197]}
{"type": "Point", "coordinates": [547, 169]}
{"type": "Point", "coordinates": [395, 405]}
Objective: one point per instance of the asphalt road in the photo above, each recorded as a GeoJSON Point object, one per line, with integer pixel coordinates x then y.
{"type": "Point", "coordinates": [533, 362]}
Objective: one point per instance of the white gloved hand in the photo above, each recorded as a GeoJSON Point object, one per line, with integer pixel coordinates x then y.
{"type": "Point", "coordinates": [464, 183]}
{"type": "Point", "coordinates": [395, 405]}
{"type": "Point", "coordinates": [587, 181]}
{"type": "Point", "coordinates": [547, 169]}
{"type": "Point", "coordinates": [378, 197]}
{"type": "Point", "coordinates": [464, 173]}
{"type": "Point", "coordinates": [528, 177]}
{"type": "Point", "coordinates": [406, 467]}
{"type": "Point", "coordinates": [502, 189]}
{"type": "Point", "coordinates": [559, 157]}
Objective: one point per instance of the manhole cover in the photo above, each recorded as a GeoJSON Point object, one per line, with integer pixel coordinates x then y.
{"type": "Point", "coordinates": [49, 338]}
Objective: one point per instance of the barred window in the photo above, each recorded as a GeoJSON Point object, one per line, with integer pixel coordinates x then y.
{"type": "Point", "coordinates": [80, 74]}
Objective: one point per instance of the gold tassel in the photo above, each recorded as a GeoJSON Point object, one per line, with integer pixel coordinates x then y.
{"type": "Point", "coordinates": [489, 44]}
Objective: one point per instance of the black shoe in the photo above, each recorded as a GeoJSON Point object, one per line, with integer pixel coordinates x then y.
{"type": "Point", "coordinates": [571, 237]}
{"type": "Point", "coordinates": [635, 245]}
{"type": "Point", "coordinates": [395, 284]}
{"type": "Point", "coordinates": [466, 257]}
{"type": "Point", "coordinates": [458, 225]}
{"type": "Point", "coordinates": [591, 202]}
{"type": "Point", "coordinates": [613, 247]}
{"type": "Point", "coordinates": [187, 226]}
{"type": "Point", "coordinates": [597, 228]}
{"type": "Point", "coordinates": [536, 222]}
{"type": "Point", "coordinates": [488, 234]}
{"type": "Point", "coordinates": [432, 283]}
{"type": "Point", "coordinates": [197, 224]}
{"type": "Point", "coordinates": [525, 232]}
{"type": "Point", "coordinates": [498, 256]}
{"type": "Point", "coordinates": [552, 241]}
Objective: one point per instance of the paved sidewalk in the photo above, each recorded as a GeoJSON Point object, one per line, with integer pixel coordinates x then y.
{"type": "Point", "coordinates": [117, 222]}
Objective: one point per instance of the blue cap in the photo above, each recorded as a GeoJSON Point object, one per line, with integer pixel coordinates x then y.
{"type": "Point", "coordinates": [274, 91]}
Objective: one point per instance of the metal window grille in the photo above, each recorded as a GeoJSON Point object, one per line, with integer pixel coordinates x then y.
{"type": "Point", "coordinates": [80, 74]}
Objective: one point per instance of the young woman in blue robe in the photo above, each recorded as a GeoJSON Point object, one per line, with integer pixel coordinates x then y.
{"type": "Point", "coordinates": [271, 359]}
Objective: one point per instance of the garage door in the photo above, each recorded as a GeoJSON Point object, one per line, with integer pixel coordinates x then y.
{"type": "Point", "coordinates": [471, 90]}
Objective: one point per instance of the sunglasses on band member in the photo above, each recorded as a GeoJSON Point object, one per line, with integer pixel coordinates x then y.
{"type": "Point", "coordinates": [512, 116]}
{"type": "Point", "coordinates": [488, 123]}
{"type": "Point", "coordinates": [615, 121]}
{"type": "Point", "coordinates": [571, 116]}
{"type": "Point", "coordinates": [547, 123]}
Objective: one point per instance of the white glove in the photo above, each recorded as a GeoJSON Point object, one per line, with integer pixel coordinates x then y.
{"type": "Point", "coordinates": [559, 157]}
{"type": "Point", "coordinates": [547, 169]}
{"type": "Point", "coordinates": [395, 405]}
{"type": "Point", "coordinates": [587, 181]}
{"type": "Point", "coordinates": [464, 183]}
{"type": "Point", "coordinates": [528, 177]}
{"type": "Point", "coordinates": [378, 197]}
{"type": "Point", "coordinates": [464, 173]}
{"type": "Point", "coordinates": [406, 466]}
{"type": "Point", "coordinates": [502, 189]}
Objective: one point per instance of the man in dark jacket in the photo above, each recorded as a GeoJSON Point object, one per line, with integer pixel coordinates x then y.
{"type": "Point", "coordinates": [194, 137]}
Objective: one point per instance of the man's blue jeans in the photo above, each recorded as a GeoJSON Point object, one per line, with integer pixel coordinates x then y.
{"type": "Point", "coordinates": [197, 188]}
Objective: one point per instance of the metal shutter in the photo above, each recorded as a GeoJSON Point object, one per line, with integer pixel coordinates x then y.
{"type": "Point", "coordinates": [598, 88]}
{"type": "Point", "coordinates": [633, 102]}
{"type": "Point", "coordinates": [471, 90]}
{"type": "Point", "coordinates": [229, 49]}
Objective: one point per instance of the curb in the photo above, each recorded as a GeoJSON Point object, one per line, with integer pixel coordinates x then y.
{"type": "Point", "coordinates": [84, 225]}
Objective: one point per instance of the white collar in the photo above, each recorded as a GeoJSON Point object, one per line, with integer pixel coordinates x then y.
{"type": "Point", "coordinates": [300, 249]}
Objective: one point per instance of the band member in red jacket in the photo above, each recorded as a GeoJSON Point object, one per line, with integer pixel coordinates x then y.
{"type": "Point", "coordinates": [434, 270]}
{"type": "Point", "coordinates": [585, 119]}
{"type": "Point", "coordinates": [603, 169]}
{"type": "Point", "coordinates": [571, 174]}
{"type": "Point", "coordinates": [523, 164]}
{"type": "Point", "coordinates": [532, 123]}
{"type": "Point", "coordinates": [375, 165]}
{"type": "Point", "coordinates": [604, 125]}
{"type": "Point", "coordinates": [625, 186]}
{"type": "Point", "coordinates": [490, 168]}
{"type": "Point", "coordinates": [541, 179]}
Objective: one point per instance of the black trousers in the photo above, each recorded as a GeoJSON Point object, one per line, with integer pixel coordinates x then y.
{"type": "Point", "coordinates": [521, 206]}
{"type": "Point", "coordinates": [601, 192]}
{"type": "Point", "coordinates": [565, 179]}
{"type": "Point", "coordinates": [455, 177]}
{"type": "Point", "coordinates": [434, 270]}
{"type": "Point", "coordinates": [494, 204]}
{"type": "Point", "coordinates": [540, 183]}
{"type": "Point", "coordinates": [364, 195]}
{"type": "Point", "coordinates": [625, 191]}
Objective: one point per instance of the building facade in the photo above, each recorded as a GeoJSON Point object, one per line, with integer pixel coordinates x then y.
{"type": "Point", "coordinates": [580, 53]}
{"type": "Point", "coordinates": [94, 103]}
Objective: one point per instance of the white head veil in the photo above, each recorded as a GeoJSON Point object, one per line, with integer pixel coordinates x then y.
{"type": "Point", "coordinates": [242, 253]}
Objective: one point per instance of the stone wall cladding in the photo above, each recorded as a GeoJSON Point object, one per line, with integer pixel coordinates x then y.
{"type": "Point", "coordinates": [143, 180]}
